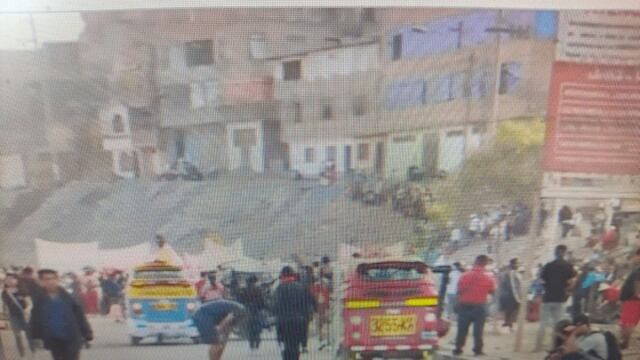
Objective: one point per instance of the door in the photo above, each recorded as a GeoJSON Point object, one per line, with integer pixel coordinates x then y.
{"type": "Point", "coordinates": [431, 154]}
{"type": "Point", "coordinates": [451, 154]}
{"type": "Point", "coordinates": [245, 141]}
{"type": "Point", "coordinates": [379, 165]}
{"type": "Point", "coordinates": [347, 158]}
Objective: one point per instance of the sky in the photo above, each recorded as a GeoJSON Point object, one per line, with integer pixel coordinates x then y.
{"type": "Point", "coordinates": [16, 32]}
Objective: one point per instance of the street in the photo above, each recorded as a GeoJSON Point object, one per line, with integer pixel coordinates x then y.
{"type": "Point", "coordinates": [111, 342]}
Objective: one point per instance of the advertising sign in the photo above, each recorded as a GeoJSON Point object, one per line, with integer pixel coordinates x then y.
{"type": "Point", "coordinates": [594, 119]}
{"type": "Point", "coordinates": [599, 37]}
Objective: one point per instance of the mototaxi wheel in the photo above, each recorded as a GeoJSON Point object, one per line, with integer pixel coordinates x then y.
{"type": "Point", "coordinates": [135, 340]}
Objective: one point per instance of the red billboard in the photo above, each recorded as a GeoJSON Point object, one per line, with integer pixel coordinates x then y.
{"type": "Point", "coordinates": [593, 119]}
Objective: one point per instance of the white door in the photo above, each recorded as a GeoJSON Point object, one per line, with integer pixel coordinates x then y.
{"type": "Point", "coordinates": [451, 154]}
{"type": "Point", "coordinates": [403, 152]}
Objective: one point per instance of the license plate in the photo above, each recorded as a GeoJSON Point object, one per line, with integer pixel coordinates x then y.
{"type": "Point", "coordinates": [164, 306]}
{"type": "Point", "coordinates": [392, 325]}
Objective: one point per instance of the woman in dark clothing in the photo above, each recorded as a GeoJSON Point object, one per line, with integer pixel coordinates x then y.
{"type": "Point", "coordinates": [15, 304]}
{"type": "Point", "coordinates": [510, 293]}
{"type": "Point", "coordinates": [253, 300]}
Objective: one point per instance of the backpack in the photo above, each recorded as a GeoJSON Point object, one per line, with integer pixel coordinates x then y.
{"type": "Point", "coordinates": [613, 348]}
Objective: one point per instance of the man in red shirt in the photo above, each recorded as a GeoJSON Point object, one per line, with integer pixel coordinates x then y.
{"type": "Point", "coordinates": [474, 288]}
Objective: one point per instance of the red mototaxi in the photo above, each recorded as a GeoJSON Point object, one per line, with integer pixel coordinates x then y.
{"type": "Point", "coordinates": [390, 309]}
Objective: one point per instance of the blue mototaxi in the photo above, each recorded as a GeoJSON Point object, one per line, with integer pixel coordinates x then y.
{"type": "Point", "coordinates": [161, 304]}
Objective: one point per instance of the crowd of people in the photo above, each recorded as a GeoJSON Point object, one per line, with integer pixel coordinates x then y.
{"type": "Point", "coordinates": [300, 297]}
{"type": "Point", "coordinates": [566, 297]}
{"type": "Point", "coordinates": [492, 224]}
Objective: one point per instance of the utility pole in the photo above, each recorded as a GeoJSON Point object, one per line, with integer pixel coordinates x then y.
{"type": "Point", "coordinates": [498, 29]}
{"type": "Point", "coordinates": [459, 30]}
{"type": "Point", "coordinates": [534, 243]}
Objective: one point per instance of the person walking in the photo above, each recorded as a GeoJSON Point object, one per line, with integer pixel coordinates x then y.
{"type": "Point", "coordinates": [452, 288]}
{"type": "Point", "coordinates": [58, 320]}
{"type": "Point", "coordinates": [565, 216]}
{"type": "Point", "coordinates": [253, 300]}
{"type": "Point", "coordinates": [111, 294]}
{"type": "Point", "coordinates": [214, 321]}
{"type": "Point", "coordinates": [474, 288]}
{"type": "Point", "coordinates": [292, 304]}
{"type": "Point", "coordinates": [557, 277]}
{"type": "Point", "coordinates": [213, 290]}
{"type": "Point", "coordinates": [630, 298]}
{"type": "Point", "coordinates": [27, 284]}
{"type": "Point", "coordinates": [510, 294]}
{"type": "Point", "coordinates": [16, 304]}
{"type": "Point", "coordinates": [91, 301]}
{"type": "Point", "coordinates": [322, 298]}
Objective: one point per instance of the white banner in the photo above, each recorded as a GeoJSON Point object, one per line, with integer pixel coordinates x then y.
{"type": "Point", "coordinates": [66, 256]}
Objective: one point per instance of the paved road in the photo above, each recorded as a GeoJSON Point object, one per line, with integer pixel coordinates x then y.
{"type": "Point", "coordinates": [112, 344]}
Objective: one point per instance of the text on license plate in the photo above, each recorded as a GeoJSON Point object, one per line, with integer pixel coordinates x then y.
{"type": "Point", "coordinates": [164, 306]}
{"type": "Point", "coordinates": [392, 325]}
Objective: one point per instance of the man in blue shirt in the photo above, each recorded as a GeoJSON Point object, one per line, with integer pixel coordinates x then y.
{"type": "Point", "coordinates": [58, 320]}
{"type": "Point", "coordinates": [214, 321]}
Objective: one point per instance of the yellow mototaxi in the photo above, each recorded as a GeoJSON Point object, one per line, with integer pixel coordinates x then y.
{"type": "Point", "coordinates": [160, 303]}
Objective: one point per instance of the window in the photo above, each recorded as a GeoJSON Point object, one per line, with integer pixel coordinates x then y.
{"type": "Point", "coordinates": [258, 46]}
{"type": "Point", "coordinates": [202, 93]}
{"type": "Point", "coordinates": [292, 70]}
{"type": "Point", "coordinates": [297, 112]}
{"type": "Point", "coordinates": [442, 89]}
{"type": "Point", "coordinates": [327, 111]}
{"type": "Point", "coordinates": [332, 152]}
{"type": "Point", "coordinates": [359, 105]}
{"type": "Point", "coordinates": [509, 76]}
{"type": "Point", "coordinates": [210, 91]}
{"type": "Point", "coordinates": [308, 155]}
{"type": "Point", "coordinates": [363, 152]}
{"type": "Point", "coordinates": [479, 84]}
{"type": "Point", "coordinates": [406, 93]}
{"type": "Point", "coordinates": [456, 86]}
{"type": "Point", "coordinates": [118, 124]}
{"type": "Point", "coordinates": [199, 52]}
{"type": "Point", "coordinates": [396, 47]}
{"type": "Point", "coordinates": [384, 272]}
{"type": "Point", "coordinates": [196, 96]}
{"type": "Point", "coordinates": [368, 15]}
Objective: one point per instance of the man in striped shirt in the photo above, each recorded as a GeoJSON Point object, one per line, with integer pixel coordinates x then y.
{"type": "Point", "coordinates": [474, 288]}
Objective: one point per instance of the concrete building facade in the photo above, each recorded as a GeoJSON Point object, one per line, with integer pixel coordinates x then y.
{"type": "Point", "coordinates": [436, 88]}
{"type": "Point", "coordinates": [198, 72]}
{"type": "Point", "coordinates": [379, 90]}
{"type": "Point", "coordinates": [47, 112]}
